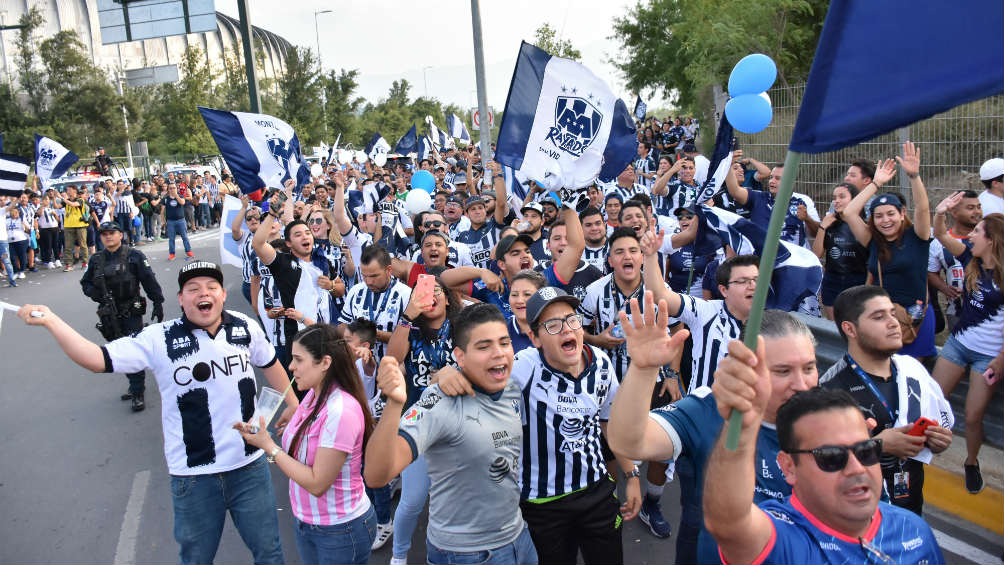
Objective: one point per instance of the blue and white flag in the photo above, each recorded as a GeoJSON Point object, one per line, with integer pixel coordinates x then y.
{"type": "Point", "coordinates": [13, 174]}
{"type": "Point", "coordinates": [457, 129]}
{"type": "Point", "coordinates": [440, 138]}
{"type": "Point", "coordinates": [260, 150]}
{"type": "Point", "coordinates": [408, 143]}
{"type": "Point", "coordinates": [563, 126]}
{"type": "Point", "coordinates": [640, 109]}
{"type": "Point", "coordinates": [377, 145]}
{"type": "Point", "coordinates": [797, 271]}
{"type": "Point", "coordinates": [51, 159]}
{"type": "Point", "coordinates": [720, 164]}
{"type": "Point", "coordinates": [424, 148]}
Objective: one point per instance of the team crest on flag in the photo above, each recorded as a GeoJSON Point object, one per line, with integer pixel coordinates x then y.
{"type": "Point", "coordinates": [46, 156]}
{"type": "Point", "coordinates": [576, 123]}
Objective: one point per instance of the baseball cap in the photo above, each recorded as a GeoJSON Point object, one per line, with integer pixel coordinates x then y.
{"type": "Point", "coordinates": [199, 269]}
{"type": "Point", "coordinates": [506, 243]}
{"type": "Point", "coordinates": [455, 200]}
{"type": "Point", "coordinates": [543, 298]}
{"type": "Point", "coordinates": [692, 209]}
{"type": "Point", "coordinates": [473, 200]}
{"type": "Point", "coordinates": [439, 167]}
{"type": "Point", "coordinates": [884, 200]}
{"type": "Point", "coordinates": [460, 178]}
{"type": "Point", "coordinates": [436, 233]}
{"type": "Point", "coordinates": [992, 169]}
{"type": "Point", "coordinates": [487, 193]}
{"type": "Point", "coordinates": [535, 206]}
{"type": "Point", "coordinates": [109, 226]}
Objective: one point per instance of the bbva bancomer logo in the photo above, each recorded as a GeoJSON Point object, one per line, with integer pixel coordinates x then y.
{"type": "Point", "coordinates": [577, 121]}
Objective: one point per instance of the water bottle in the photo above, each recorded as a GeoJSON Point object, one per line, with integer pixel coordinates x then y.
{"type": "Point", "coordinates": [617, 331]}
{"type": "Point", "coordinates": [916, 312]}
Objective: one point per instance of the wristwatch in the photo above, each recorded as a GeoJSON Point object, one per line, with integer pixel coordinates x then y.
{"type": "Point", "coordinates": [275, 451]}
{"type": "Point", "coordinates": [633, 473]}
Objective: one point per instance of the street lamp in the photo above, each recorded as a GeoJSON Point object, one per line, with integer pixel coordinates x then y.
{"type": "Point", "coordinates": [320, 65]}
{"type": "Point", "coordinates": [425, 79]}
{"type": "Point", "coordinates": [3, 53]}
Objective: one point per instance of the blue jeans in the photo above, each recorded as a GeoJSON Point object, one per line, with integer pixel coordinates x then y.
{"type": "Point", "coordinates": [124, 222]}
{"type": "Point", "coordinates": [201, 503]}
{"type": "Point", "coordinates": [341, 543]}
{"type": "Point", "coordinates": [381, 499]}
{"type": "Point", "coordinates": [415, 485]}
{"type": "Point", "coordinates": [204, 218]}
{"type": "Point", "coordinates": [5, 257]}
{"type": "Point", "coordinates": [177, 227]}
{"type": "Point", "coordinates": [520, 551]}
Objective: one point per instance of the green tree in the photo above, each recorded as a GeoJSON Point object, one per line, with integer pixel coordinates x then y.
{"type": "Point", "coordinates": [30, 75]}
{"type": "Point", "coordinates": [176, 107]}
{"type": "Point", "coordinates": [546, 37]}
{"type": "Point", "coordinates": [343, 107]}
{"type": "Point", "coordinates": [300, 90]}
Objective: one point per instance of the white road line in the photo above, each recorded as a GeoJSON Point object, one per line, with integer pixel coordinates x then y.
{"type": "Point", "coordinates": [125, 552]}
{"type": "Point", "coordinates": [963, 549]}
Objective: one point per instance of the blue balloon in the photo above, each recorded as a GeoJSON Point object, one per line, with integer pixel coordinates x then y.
{"type": "Point", "coordinates": [137, 221]}
{"type": "Point", "coordinates": [753, 74]}
{"type": "Point", "coordinates": [749, 113]}
{"type": "Point", "coordinates": [423, 180]}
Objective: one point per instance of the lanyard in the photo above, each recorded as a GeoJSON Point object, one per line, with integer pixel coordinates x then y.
{"type": "Point", "coordinates": [866, 380]}
{"type": "Point", "coordinates": [370, 300]}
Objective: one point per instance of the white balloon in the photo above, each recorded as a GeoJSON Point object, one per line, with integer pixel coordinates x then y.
{"type": "Point", "coordinates": [380, 159]}
{"type": "Point", "coordinates": [765, 97]}
{"type": "Point", "coordinates": [316, 170]}
{"type": "Point", "coordinates": [360, 156]}
{"type": "Point", "coordinates": [344, 156]}
{"type": "Point", "coordinates": [417, 201]}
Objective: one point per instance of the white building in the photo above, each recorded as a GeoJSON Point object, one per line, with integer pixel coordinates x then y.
{"type": "Point", "coordinates": [82, 16]}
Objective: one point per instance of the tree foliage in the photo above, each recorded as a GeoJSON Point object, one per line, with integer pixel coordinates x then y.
{"type": "Point", "coordinates": [680, 47]}
{"type": "Point", "coordinates": [546, 37]}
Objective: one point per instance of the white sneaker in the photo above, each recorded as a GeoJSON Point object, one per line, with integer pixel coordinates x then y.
{"type": "Point", "coordinates": [396, 561]}
{"type": "Point", "coordinates": [59, 263]}
{"type": "Point", "coordinates": [383, 533]}
{"type": "Point", "coordinates": [20, 275]}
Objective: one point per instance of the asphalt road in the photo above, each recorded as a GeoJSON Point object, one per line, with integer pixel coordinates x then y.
{"type": "Point", "coordinates": [83, 479]}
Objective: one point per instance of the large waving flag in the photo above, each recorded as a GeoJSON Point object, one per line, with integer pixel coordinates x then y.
{"type": "Point", "coordinates": [439, 137]}
{"type": "Point", "coordinates": [862, 44]}
{"type": "Point", "coordinates": [720, 164]}
{"type": "Point", "coordinates": [797, 271]}
{"type": "Point", "coordinates": [13, 174]}
{"type": "Point", "coordinates": [260, 150]}
{"type": "Point", "coordinates": [408, 143]}
{"type": "Point", "coordinates": [424, 150]}
{"type": "Point", "coordinates": [377, 145]}
{"type": "Point", "coordinates": [457, 129]}
{"type": "Point", "coordinates": [51, 159]}
{"type": "Point", "coordinates": [563, 126]}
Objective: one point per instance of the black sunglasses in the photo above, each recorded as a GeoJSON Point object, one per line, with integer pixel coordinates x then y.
{"type": "Point", "coordinates": [833, 458]}
{"type": "Point", "coordinates": [432, 224]}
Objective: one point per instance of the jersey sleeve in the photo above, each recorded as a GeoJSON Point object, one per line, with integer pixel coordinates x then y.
{"type": "Point", "coordinates": [343, 425]}
{"type": "Point", "coordinates": [695, 311]}
{"type": "Point", "coordinates": [262, 352]}
{"type": "Point", "coordinates": [435, 417]}
{"type": "Point", "coordinates": [131, 354]}
{"type": "Point", "coordinates": [464, 255]}
{"type": "Point", "coordinates": [347, 314]}
{"type": "Point", "coordinates": [934, 257]}
{"type": "Point", "coordinates": [553, 278]}
{"type": "Point", "coordinates": [589, 305]}
{"type": "Point", "coordinates": [692, 423]}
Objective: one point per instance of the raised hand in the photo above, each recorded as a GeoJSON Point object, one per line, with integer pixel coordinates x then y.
{"type": "Point", "coordinates": [391, 381]}
{"type": "Point", "coordinates": [884, 172]}
{"type": "Point", "coordinates": [649, 343]}
{"type": "Point", "coordinates": [742, 383]}
{"type": "Point", "coordinates": [651, 241]}
{"type": "Point", "coordinates": [910, 161]}
{"type": "Point", "coordinates": [949, 203]}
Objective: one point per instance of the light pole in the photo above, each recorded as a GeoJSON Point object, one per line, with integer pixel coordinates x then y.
{"type": "Point", "coordinates": [3, 52]}
{"type": "Point", "coordinates": [425, 79]}
{"type": "Point", "coordinates": [320, 65]}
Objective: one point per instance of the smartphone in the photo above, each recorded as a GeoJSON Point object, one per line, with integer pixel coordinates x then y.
{"type": "Point", "coordinates": [425, 285]}
{"type": "Point", "coordinates": [920, 425]}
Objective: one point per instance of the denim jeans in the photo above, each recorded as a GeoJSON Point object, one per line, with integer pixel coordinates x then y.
{"type": "Point", "coordinates": [204, 218]}
{"type": "Point", "coordinates": [381, 499]}
{"type": "Point", "coordinates": [19, 253]}
{"type": "Point", "coordinates": [415, 484]}
{"type": "Point", "coordinates": [201, 503]}
{"type": "Point", "coordinates": [5, 258]}
{"type": "Point", "coordinates": [125, 222]}
{"type": "Point", "coordinates": [520, 551]}
{"type": "Point", "coordinates": [341, 543]}
{"type": "Point", "coordinates": [177, 227]}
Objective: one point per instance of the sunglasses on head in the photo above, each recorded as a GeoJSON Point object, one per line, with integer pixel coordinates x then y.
{"type": "Point", "coordinates": [833, 458]}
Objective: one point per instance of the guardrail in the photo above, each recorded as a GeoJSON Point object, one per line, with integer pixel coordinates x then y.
{"type": "Point", "coordinates": [830, 347]}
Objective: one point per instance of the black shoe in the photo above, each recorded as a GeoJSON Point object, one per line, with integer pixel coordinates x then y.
{"type": "Point", "coordinates": [126, 396]}
{"type": "Point", "coordinates": [974, 479]}
{"type": "Point", "coordinates": [137, 403]}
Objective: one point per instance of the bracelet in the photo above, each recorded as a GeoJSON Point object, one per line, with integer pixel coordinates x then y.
{"type": "Point", "coordinates": [271, 455]}
{"type": "Point", "coordinates": [406, 318]}
{"type": "Point", "coordinates": [913, 176]}
{"type": "Point", "coordinates": [406, 326]}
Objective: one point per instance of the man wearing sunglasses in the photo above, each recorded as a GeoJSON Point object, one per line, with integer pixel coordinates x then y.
{"type": "Point", "coordinates": [830, 461]}
{"type": "Point", "coordinates": [895, 390]}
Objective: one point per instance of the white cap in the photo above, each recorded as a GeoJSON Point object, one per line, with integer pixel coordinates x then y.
{"type": "Point", "coordinates": [992, 169]}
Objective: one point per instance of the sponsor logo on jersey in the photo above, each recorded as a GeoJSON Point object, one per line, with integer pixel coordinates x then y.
{"type": "Point", "coordinates": [912, 544]}
{"type": "Point", "coordinates": [413, 416]}
{"type": "Point", "coordinates": [179, 343]}
{"type": "Point", "coordinates": [429, 400]}
{"type": "Point", "coordinates": [781, 516]}
{"type": "Point", "coordinates": [202, 371]}
{"type": "Point", "coordinates": [829, 546]}
{"type": "Point", "coordinates": [498, 469]}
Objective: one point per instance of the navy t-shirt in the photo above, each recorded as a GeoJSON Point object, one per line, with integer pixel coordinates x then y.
{"type": "Point", "coordinates": [904, 276]}
{"type": "Point", "coordinates": [173, 209]}
{"type": "Point", "coordinates": [844, 255]}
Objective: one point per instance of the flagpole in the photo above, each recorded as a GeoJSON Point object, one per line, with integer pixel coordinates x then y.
{"type": "Point", "coordinates": [777, 217]}
{"type": "Point", "coordinates": [479, 73]}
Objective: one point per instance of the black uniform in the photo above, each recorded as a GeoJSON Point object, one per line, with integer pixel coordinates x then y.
{"type": "Point", "coordinates": [103, 163]}
{"type": "Point", "coordinates": [124, 271]}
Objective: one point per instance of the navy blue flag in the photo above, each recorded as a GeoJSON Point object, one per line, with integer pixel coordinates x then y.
{"type": "Point", "coordinates": [408, 143]}
{"type": "Point", "coordinates": [563, 126]}
{"type": "Point", "coordinates": [260, 150]}
{"type": "Point", "coordinates": [640, 108]}
{"type": "Point", "coordinates": [377, 145]}
{"type": "Point", "coordinates": [424, 148]}
{"type": "Point", "coordinates": [797, 271]}
{"type": "Point", "coordinates": [720, 164]}
{"type": "Point", "coordinates": [1, 143]}
{"type": "Point", "coordinates": [883, 65]}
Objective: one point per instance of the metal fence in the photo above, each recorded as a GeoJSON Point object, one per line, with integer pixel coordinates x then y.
{"type": "Point", "coordinates": [952, 147]}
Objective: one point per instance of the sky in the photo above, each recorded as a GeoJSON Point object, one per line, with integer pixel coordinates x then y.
{"type": "Point", "coordinates": [431, 43]}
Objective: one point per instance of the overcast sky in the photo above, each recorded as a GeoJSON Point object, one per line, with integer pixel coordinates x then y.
{"type": "Point", "coordinates": [388, 40]}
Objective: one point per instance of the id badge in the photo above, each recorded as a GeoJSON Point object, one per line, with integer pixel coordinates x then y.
{"type": "Point", "coordinates": [901, 484]}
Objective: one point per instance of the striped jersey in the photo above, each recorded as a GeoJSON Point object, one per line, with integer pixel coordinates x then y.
{"type": "Point", "coordinates": [124, 203]}
{"type": "Point", "coordinates": [248, 257]}
{"type": "Point", "coordinates": [382, 308]}
{"type": "Point", "coordinates": [625, 193]}
{"type": "Point", "coordinates": [561, 418]}
{"type": "Point", "coordinates": [482, 242]}
{"type": "Point", "coordinates": [645, 165]}
{"type": "Point", "coordinates": [597, 257]}
{"type": "Point", "coordinates": [339, 425]}
{"type": "Point", "coordinates": [711, 327]}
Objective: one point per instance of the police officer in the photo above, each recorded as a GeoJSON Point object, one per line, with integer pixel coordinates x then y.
{"type": "Point", "coordinates": [112, 279]}
{"type": "Point", "coordinates": [103, 163]}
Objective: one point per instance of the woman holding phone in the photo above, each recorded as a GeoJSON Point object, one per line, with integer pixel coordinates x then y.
{"type": "Point", "coordinates": [322, 451]}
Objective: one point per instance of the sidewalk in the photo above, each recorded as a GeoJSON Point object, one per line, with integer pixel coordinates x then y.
{"type": "Point", "coordinates": [944, 486]}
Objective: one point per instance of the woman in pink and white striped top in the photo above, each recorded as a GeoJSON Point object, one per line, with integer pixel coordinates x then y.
{"type": "Point", "coordinates": [322, 450]}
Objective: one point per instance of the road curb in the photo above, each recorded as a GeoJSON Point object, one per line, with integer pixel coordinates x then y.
{"type": "Point", "coordinates": [946, 490]}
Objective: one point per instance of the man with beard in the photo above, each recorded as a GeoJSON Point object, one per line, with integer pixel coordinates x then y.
{"type": "Point", "coordinates": [965, 215]}
{"type": "Point", "coordinates": [893, 389]}
{"type": "Point", "coordinates": [594, 229]}
{"type": "Point", "coordinates": [625, 186]}
{"type": "Point", "coordinates": [533, 220]}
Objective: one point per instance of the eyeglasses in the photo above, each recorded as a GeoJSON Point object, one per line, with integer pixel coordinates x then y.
{"type": "Point", "coordinates": [833, 458]}
{"type": "Point", "coordinates": [317, 221]}
{"type": "Point", "coordinates": [553, 326]}
{"type": "Point", "coordinates": [432, 224]}
{"type": "Point", "coordinates": [250, 217]}
{"type": "Point", "coordinates": [745, 281]}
